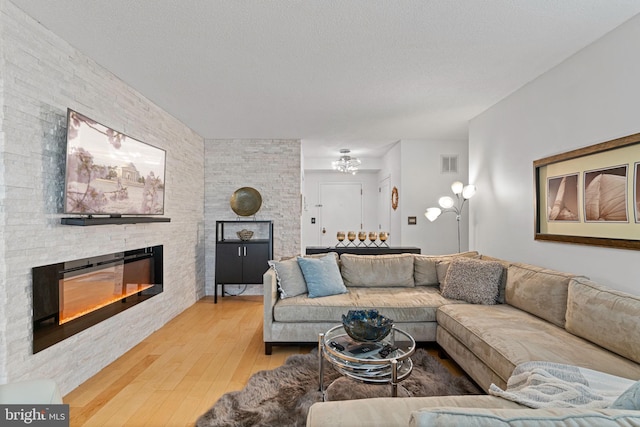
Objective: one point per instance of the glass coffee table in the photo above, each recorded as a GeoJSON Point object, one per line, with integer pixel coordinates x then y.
{"type": "Point", "coordinates": [387, 361]}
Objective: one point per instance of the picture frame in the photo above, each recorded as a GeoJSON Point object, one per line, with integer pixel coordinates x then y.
{"type": "Point", "coordinates": [590, 196]}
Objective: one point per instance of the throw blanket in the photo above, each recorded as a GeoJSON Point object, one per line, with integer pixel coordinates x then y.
{"type": "Point", "coordinates": [554, 385]}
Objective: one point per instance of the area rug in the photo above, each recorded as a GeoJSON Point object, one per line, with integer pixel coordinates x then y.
{"type": "Point", "coordinates": [282, 396]}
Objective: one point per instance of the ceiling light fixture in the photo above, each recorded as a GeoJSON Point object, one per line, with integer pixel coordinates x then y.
{"type": "Point", "coordinates": [346, 163]}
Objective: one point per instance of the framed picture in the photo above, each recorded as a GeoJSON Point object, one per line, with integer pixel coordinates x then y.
{"type": "Point", "coordinates": [605, 194]}
{"type": "Point", "coordinates": [636, 191]}
{"type": "Point", "coordinates": [562, 198]}
{"type": "Point", "coordinates": [591, 195]}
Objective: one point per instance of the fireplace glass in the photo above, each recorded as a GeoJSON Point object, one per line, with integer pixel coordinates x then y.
{"type": "Point", "coordinates": [71, 296]}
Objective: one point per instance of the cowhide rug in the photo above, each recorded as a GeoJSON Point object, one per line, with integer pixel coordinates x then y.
{"type": "Point", "coordinates": [282, 396]}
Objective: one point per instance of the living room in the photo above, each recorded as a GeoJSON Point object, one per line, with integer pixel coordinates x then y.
{"type": "Point", "coordinates": [587, 98]}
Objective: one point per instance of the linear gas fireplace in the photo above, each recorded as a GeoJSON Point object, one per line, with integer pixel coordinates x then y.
{"type": "Point", "coordinates": [71, 296]}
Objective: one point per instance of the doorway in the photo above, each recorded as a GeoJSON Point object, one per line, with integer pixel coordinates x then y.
{"type": "Point", "coordinates": [340, 210]}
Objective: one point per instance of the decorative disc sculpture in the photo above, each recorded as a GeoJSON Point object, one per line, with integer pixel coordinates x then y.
{"type": "Point", "coordinates": [246, 201]}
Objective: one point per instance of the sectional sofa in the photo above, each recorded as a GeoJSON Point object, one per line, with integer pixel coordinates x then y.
{"type": "Point", "coordinates": [487, 314]}
{"type": "Point", "coordinates": [403, 287]}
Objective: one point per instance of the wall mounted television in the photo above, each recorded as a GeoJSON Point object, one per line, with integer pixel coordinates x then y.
{"type": "Point", "coordinates": [110, 173]}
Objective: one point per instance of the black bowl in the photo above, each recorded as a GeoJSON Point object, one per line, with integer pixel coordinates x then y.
{"type": "Point", "coordinates": [366, 325]}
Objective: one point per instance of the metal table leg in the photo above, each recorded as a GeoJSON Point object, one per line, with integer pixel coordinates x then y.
{"type": "Point", "coordinates": [394, 378]}
{"type": "Point", "coordinates": [321, 364]}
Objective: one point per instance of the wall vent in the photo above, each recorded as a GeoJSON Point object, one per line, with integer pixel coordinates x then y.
{"type": "Point", "coordinates": [449, 163]}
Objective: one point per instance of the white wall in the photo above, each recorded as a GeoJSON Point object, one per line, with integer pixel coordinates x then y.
{"type": "Point", "coordinates": [42, 75]}
{"type": "Point", "coordinates": [271, 166]}
{"type": "Point", "coordinates": [391, 167]}
{"type": "Point", "coordinates": [413, 166]}
{"type": "Point", "coordinates": [313, 179]}
{"type": "Point", "coordinates": [590, 98]}
{"type": "Point", "coordinates": [423, 184]}
{"type": "Point", "coordinates": [3, 218]}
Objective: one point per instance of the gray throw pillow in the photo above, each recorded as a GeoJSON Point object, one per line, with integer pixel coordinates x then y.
{"type": "Point", "coordinates": [290, 279]}
{"type": "Point", "coordinates": [630, 399]}
{"type": "Point", "coordinates": [473, 280]}
{"type": "Point", "coordinates": [443, 262]}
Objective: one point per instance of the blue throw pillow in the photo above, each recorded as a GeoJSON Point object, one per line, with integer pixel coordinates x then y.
{"type": "Point", "coordinates": [322, 276]}
{"type": "Point", "coordinates": [630, 399]}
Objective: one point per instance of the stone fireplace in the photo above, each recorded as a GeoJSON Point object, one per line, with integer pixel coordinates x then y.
{"type": "Point", "coordinates": [71, 296]}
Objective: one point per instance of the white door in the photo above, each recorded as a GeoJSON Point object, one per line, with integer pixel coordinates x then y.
{"type": "Point", "coordinates": [384, 205]}
{"type": "Point", "coordinates": [340, 210]}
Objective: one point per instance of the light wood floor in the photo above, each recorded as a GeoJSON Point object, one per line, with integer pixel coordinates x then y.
{"type": "Point", "coordinates": [179, 371]}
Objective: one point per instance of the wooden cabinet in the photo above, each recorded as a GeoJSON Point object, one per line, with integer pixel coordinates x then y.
{"type": "Point", "coordinates": [242, 261]}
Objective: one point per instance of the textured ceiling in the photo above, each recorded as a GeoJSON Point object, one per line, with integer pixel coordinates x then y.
{"type": "Point", "coordinates": [334, 72]}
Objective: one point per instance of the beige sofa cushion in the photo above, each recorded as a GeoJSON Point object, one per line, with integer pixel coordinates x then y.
{"type": "Point", "coordinates": [424, 270]}
{"type": "Point", "coordinates": [425, 273]}
{"type": "Point", "coordinates": [392, 411]}
{"type": "Point", "coordinates": [377, 270]}
{"type": "Point", "coordinates": [538, 291]}
{"type": "Point", "coordinates": [416, 304]}
{"type": "Point", "coordinates": [502, 337]}
{"type": "Point", "coordinates": [548, 417]}
{"type": "Point", "coordinates": [503, 279]}
{"type": "Point", "coordinates": [604, 316]}
{"type": "Point", "coordinates": [40, 391]}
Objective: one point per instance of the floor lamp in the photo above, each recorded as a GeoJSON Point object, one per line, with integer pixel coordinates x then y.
{"type": "Point", "coordinates": [448, 204]}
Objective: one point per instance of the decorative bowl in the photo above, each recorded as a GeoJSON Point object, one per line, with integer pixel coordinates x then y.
{"type": "Point", "coordinates": [366, 325]}
{"type": "Point", "coordinates": [244, 234]}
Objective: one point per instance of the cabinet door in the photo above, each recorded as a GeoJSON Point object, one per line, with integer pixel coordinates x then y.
{"type": "Point", "coordinates": [255, 262]}
{"type": "Point", "coordinates": [229, 258]}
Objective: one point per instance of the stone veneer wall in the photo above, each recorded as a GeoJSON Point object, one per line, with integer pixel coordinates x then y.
{"type": "Point", "coordinates": [271, 166]}
{"type": "Point", "coordinates": [41, 76]}
{"type": "Point", "coordinates": [3, 203]}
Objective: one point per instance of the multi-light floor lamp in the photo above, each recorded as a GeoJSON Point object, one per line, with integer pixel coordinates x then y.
{"type": "Point", "coordinates": [448, 204]}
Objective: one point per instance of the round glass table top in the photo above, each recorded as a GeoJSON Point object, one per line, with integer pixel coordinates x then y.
{"type": "Point", "coordinates": [369, 361]}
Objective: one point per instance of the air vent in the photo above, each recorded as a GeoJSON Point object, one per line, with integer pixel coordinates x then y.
{"type": "Point", "coordinates": [449, 163]}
